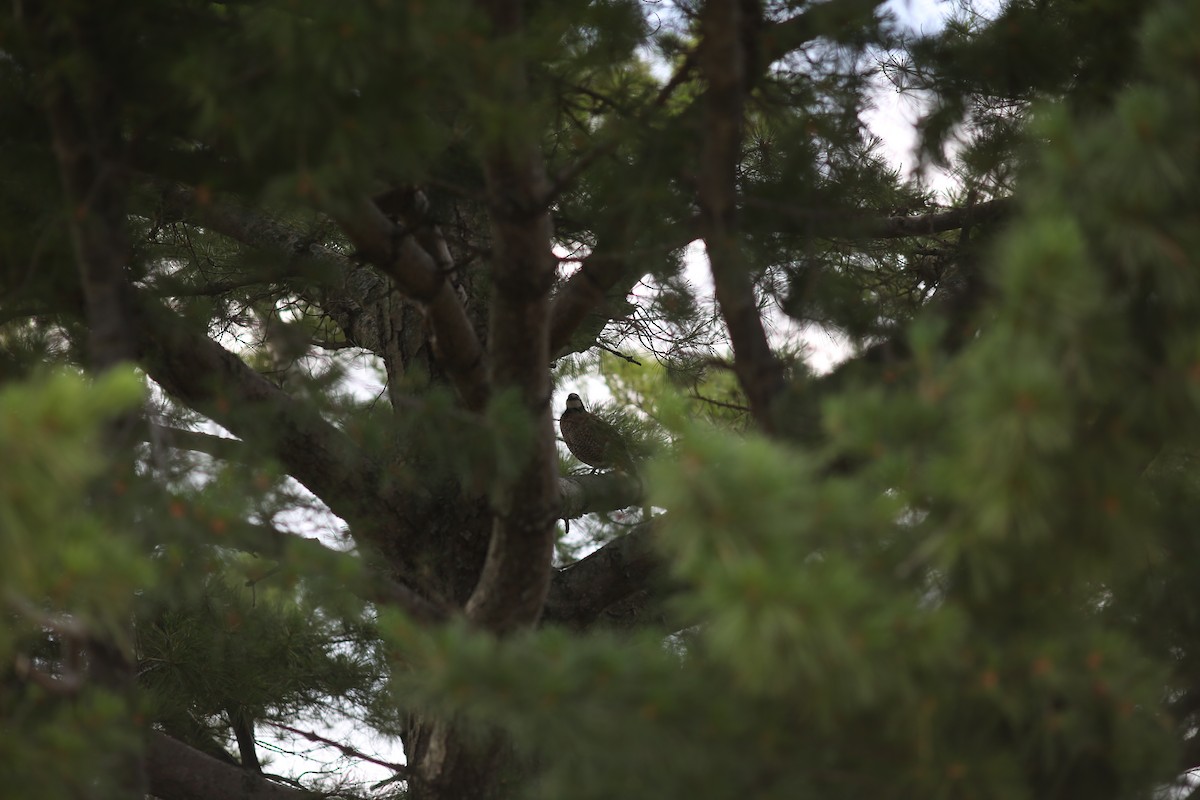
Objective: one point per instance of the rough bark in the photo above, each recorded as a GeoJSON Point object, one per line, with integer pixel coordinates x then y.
{"type": "Point", "coordinates": [451, 762]}
{"type": "Point", "coordinates": [447, 761]}
{"type": "Point", "coordinates": [425, 279]}
{"type": "Point", "coordinates": [516, 574]}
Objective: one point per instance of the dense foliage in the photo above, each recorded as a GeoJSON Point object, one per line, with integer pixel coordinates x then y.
{"type": "Point", "coordinates": [292, 292]}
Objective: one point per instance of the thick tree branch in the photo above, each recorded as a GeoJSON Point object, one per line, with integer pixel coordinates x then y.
{"type": "Point", "coordinates": [268, 541]}
{"type": "Point", "coordinates": [418, 275]}
{"type": "Point", "coordinates": [214, 381]}
{"type": "Point", "coordinates": [604, 277]}
{"type": "Point", "coordinates": [941, 221]}
{"type": "Point", "coordinates": [411, 206]}
{"type": "Point", "coordinates": [582, 293]}
{"type": "Point", "coordinates": [220, 447]}
{"type": "Point", "coordinates": [425, 279]}
{"type": "Point", "coordinates": [723, 64]}
{"type": "Point", "coordinates": [516, 572]}
{"type": "Point", "coordinates": [820, 19]}
{"type": "Point", "coordinates": [647, 609]}
{"type": "Point", "coordinates": [580, 593]}
{"type": "Point", "coordinates": [207, 377]}
{"type": "Point", "coordinates": [586, 494]}
{"type": "Point", "coordinates": [179, 772]}
{"type": "Point", "coordinates": [369, 583]}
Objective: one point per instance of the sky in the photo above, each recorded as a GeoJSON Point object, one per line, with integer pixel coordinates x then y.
{"type": "Point", "coordinates": [893, 117]}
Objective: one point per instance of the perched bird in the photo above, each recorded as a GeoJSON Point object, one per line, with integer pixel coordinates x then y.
{"type": "Point", "coordinates": [591, 439]}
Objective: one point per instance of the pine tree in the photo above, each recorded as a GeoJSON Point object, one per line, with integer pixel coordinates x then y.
{"type": "Point", "coordinates": [356, 251]}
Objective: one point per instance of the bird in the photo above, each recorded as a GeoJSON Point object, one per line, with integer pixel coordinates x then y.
{"type": "Point", "coordinates": [593, 440]}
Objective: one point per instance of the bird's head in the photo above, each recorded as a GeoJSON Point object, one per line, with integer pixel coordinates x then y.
{"type": "Point", "coordinates": [574, 403]}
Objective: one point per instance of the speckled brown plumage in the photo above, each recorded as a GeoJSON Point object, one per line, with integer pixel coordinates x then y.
{"type": "Point", "coordinates": [591, 439]}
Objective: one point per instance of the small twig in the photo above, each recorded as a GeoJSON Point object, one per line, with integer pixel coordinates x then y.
{"type": "Point", "coordinates": [253, 583]}
{"type": "Point", "coordinates": [621, 356]}
{"type": "Point", "coordinates": [400, 769]}
{"type": "Point", "coordinates": [718, 363]}
{"type": "Point", "coordinates": [733, 406]}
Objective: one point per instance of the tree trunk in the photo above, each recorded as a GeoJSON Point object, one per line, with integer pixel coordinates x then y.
{"type": "Point", "coordinates": [449, 762]}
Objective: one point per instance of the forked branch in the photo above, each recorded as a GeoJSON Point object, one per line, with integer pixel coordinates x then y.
{"type": "Point", "coordinates": [423, 278]}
